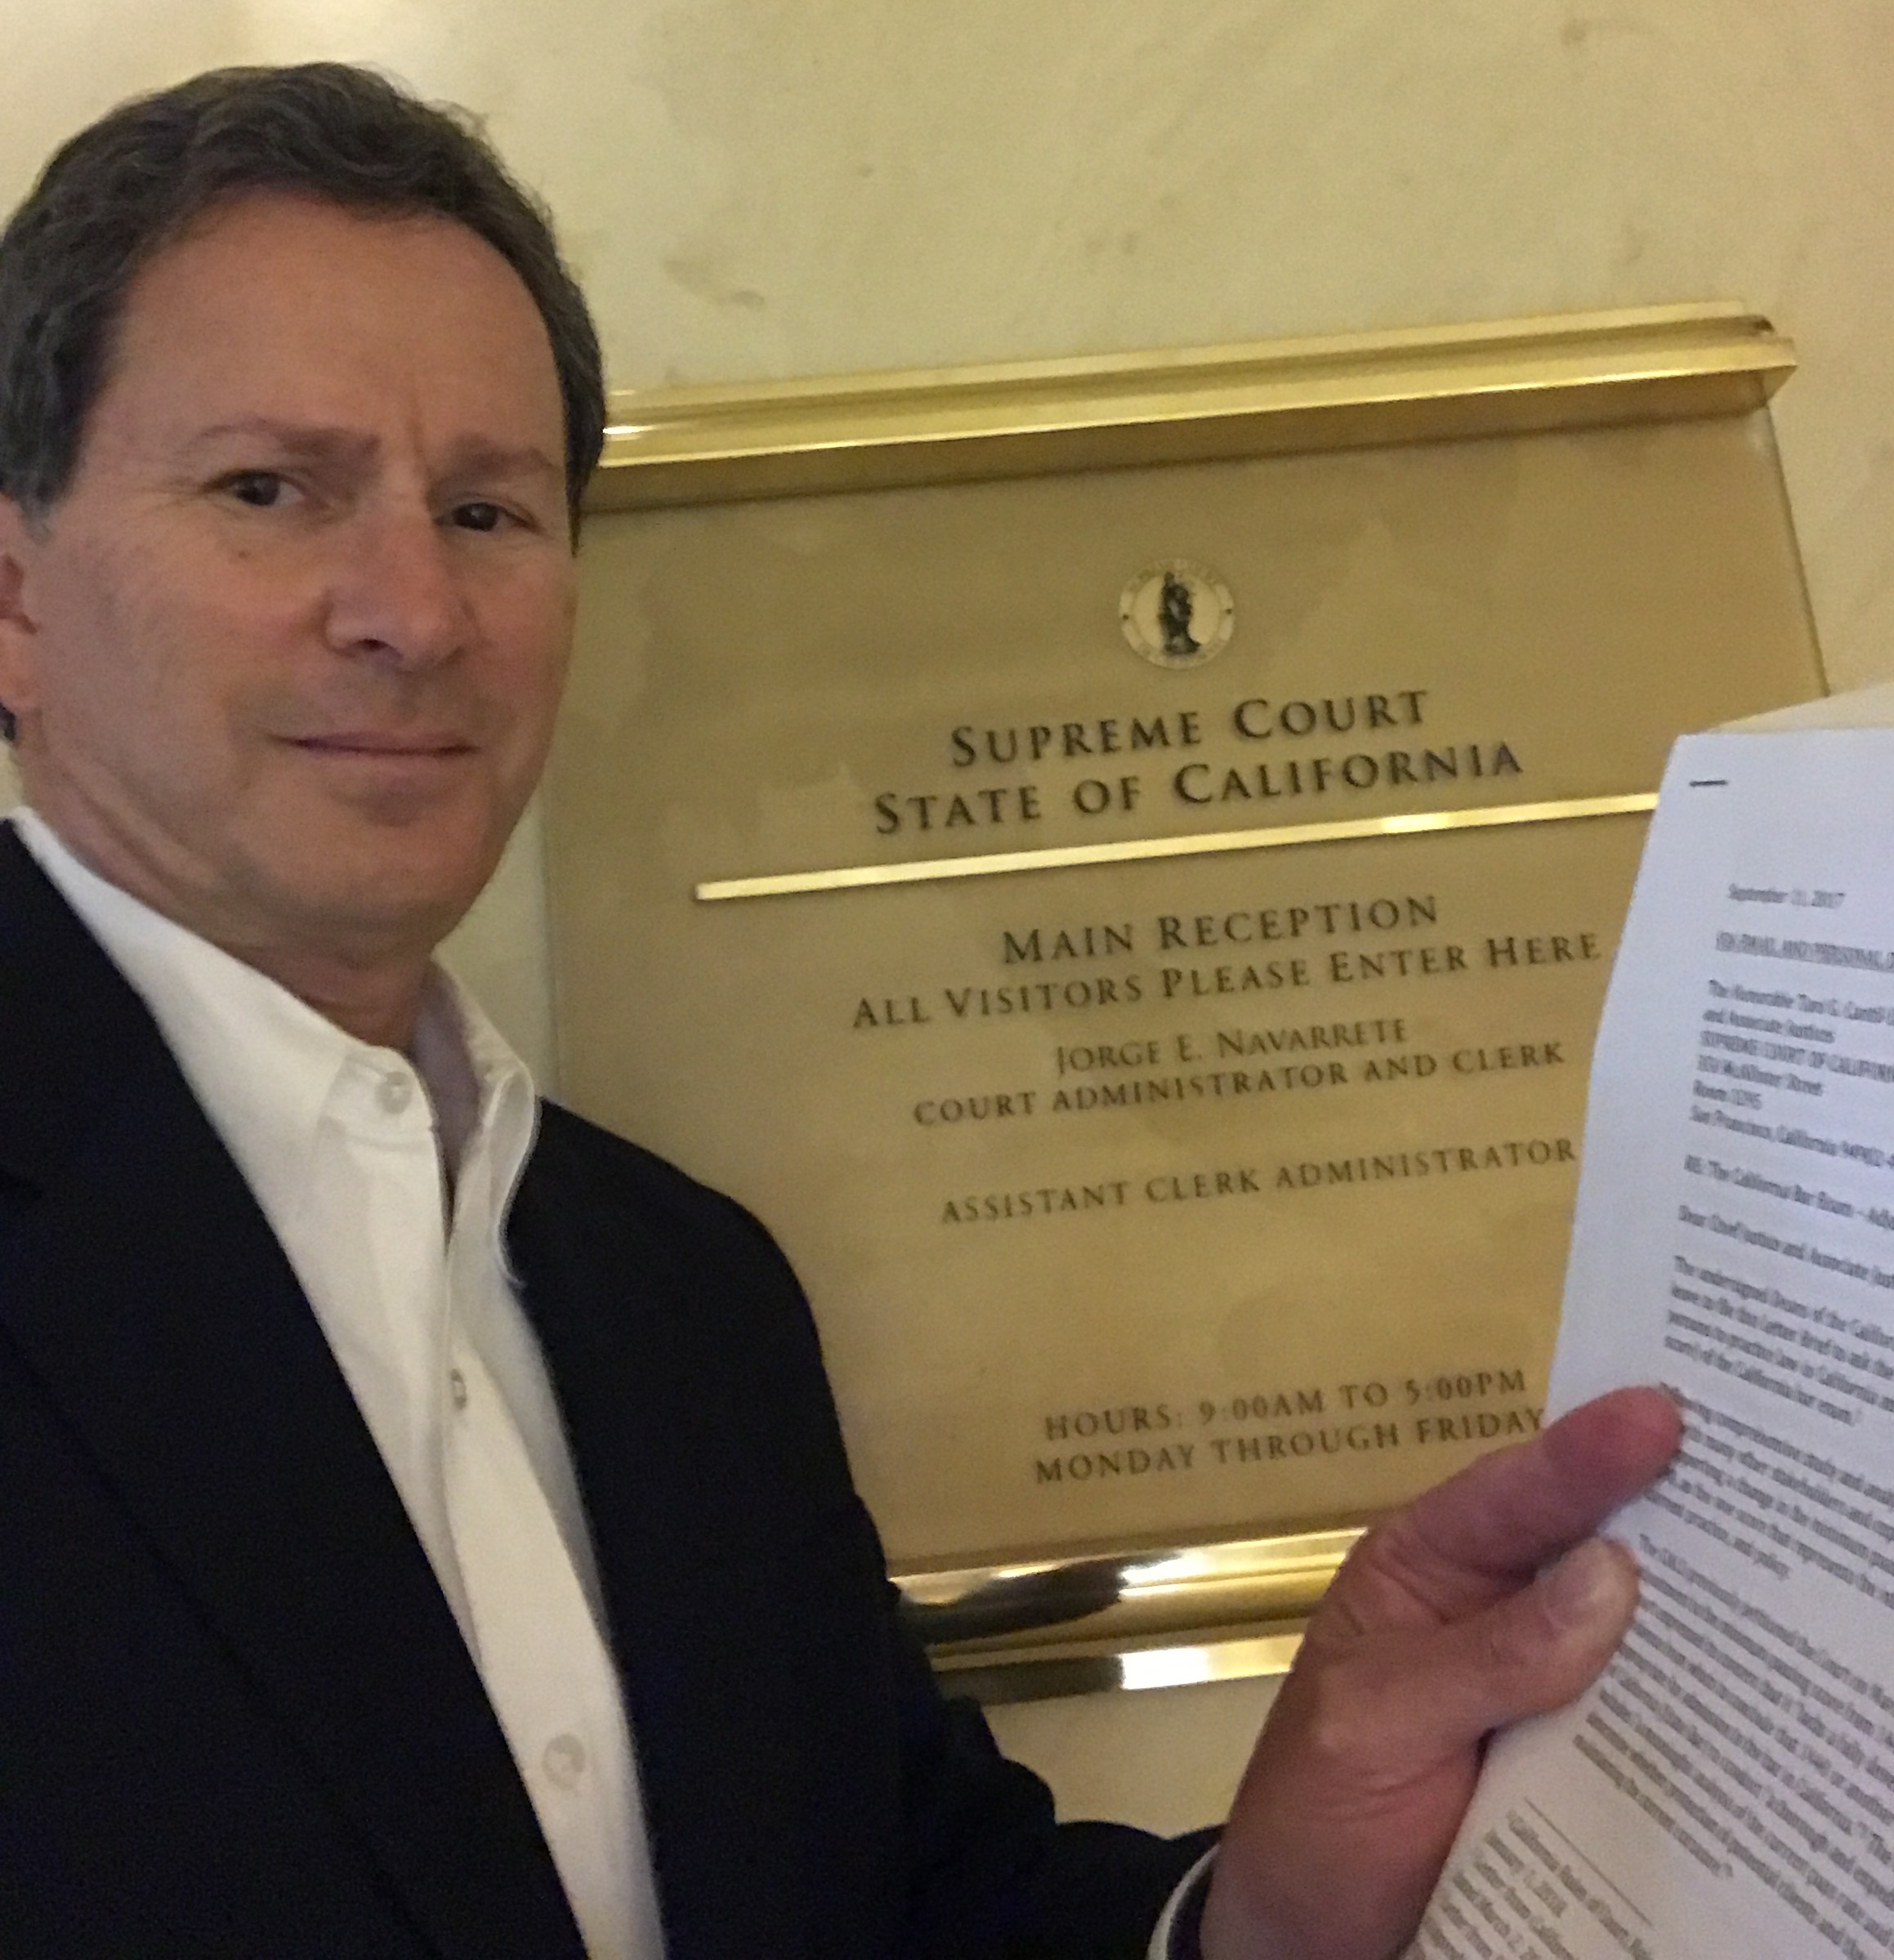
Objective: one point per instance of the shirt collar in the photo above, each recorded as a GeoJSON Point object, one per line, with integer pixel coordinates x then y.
{"type": "Point", "coordinates": [267, 1067]}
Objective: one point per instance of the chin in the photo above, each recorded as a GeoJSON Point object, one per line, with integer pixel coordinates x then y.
{"type": "Point", "coordinates": [378, 894]}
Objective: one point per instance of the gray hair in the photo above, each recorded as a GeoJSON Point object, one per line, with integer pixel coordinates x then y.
{"type": "Point", "coordinates": [143, 175]}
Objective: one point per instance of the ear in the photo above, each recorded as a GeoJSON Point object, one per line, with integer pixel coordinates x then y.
{"type": "Point", "coordinates": [20, 542]}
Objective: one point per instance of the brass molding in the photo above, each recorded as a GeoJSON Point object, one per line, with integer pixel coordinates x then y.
{"type": "Point", "coordinates": [1045, 1674]}
{"type": "Point", "coordinates": [669, 446]}
{"type": "Point", "coordinates": [1141, 1618]}
{"type": "Point", "coordinates": [1126, 850]}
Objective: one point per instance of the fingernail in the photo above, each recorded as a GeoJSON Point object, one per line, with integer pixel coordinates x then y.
{"type": "Point", "coordinates": [1587, 1585]}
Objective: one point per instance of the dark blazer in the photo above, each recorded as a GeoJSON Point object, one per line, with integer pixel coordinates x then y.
{"type": "Point", "coordinates": [236, 1715]}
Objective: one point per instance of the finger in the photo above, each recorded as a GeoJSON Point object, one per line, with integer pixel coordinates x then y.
{"type": "Point", "coordinates": [1532, 1651]}
{"type": "Point", "coordinates": [1369, 1757]}
{"type": "Point", "coordinates": [1480, 1535]}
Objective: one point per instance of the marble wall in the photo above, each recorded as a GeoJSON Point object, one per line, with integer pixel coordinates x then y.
{"type": "Point", "coordinates": [766, 187]}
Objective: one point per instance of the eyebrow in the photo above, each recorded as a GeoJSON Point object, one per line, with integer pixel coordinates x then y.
{"type": "Point", "coordinates": [471, 456]}
{"type": "Point", "coordinates": [300, 438]}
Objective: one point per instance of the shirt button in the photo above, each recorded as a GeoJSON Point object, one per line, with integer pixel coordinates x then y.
{"type": "Point", "coordinates": [564, 1760]}
{"type": "Point", "coordinates": [394, 1094]}
{"type": "Point", "coordinates": [457, 1387]}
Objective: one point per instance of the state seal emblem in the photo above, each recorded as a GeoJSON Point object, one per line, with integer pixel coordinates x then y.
{"type": "Point", "coordinates": [1177, 614]}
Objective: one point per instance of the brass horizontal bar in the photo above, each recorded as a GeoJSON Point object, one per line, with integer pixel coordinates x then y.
{"type": "Point", "coordinates": [1065, 857]}
{"type": "Point", "coordinates": [691, 445]}
{"type": "Point", "coordinates": [1240, 1659]}
{"type": "Point", "coordinates": [1083, 1621]}
{"type": "Point", "coordinates": [1045, 1674]}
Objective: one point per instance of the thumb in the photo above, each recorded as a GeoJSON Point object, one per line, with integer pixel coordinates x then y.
{"type": "Point", "coordinates": [1531, 1652]}
{"type": "Point", "coordinates": [1369, 1756]}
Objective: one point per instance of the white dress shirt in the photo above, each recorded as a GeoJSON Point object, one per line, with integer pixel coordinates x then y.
{"type": "Point", "coordinates": [387, 1180]}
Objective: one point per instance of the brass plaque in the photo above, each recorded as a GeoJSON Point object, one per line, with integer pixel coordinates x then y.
{"type": "Point", "coordinates": [1135, 932]}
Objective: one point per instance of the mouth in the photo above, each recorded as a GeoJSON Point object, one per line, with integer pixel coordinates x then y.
{"type": "Point", "coordinates": [397, 748]}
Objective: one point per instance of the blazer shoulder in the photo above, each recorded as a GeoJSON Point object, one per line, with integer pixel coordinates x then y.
{"type": "Point", "coordinates": [75, 1030]}
{"type": "Point", "coordinates": [591, 1161]}
{"type": "Point", "coordinates": [587, 1172]}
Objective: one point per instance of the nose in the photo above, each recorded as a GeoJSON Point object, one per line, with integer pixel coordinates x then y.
{"type": "Point", "coordinates": [397, 599]}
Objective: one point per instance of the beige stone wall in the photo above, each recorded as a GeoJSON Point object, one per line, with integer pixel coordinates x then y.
{"type": "Point", "coordinates": [773, 187]}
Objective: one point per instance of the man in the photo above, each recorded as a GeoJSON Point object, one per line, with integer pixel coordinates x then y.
{"type": "Point", "coordinates": [424, 1527]}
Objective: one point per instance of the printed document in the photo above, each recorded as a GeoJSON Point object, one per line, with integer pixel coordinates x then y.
{"type": "Point", "coordinates": [1726, 1792]}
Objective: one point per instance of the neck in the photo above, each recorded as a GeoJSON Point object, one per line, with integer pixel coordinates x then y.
{"type": "Point", "coordinates": [379, 1005]}
{"type": "Point", "coordinates": [369, 982]}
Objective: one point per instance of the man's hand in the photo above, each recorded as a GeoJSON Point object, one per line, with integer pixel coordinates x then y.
{"type": "Point", "coordinates": [1441, 1627]}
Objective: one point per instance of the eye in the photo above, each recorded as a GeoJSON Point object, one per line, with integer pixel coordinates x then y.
{"type": "Point", "coordinates": [478, 514]}
{"type": "Point", "coordinates": [262, 489]}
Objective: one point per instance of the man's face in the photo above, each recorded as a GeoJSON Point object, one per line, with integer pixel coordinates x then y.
{"type": "Point", "coordinates": [285, 656]}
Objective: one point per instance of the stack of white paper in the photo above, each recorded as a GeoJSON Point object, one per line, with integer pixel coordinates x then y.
{"type": "Point", "coordinates": [1727, 1791]}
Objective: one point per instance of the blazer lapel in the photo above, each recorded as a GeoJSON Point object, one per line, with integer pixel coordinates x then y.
{"type": "Point", "coordinates": [735, 1560]}
{"type": "Point", "coordinates": [142, 1286]}
{"type": "Point", "coordinates": [686, 1644]}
